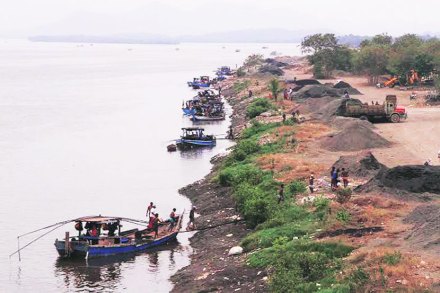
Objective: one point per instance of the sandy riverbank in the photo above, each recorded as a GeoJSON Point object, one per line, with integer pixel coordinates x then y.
{"type": "Point", "coordinates": [212, 270]}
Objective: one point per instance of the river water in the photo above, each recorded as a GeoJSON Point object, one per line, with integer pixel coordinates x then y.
{"type": "Point", "coordinates": [83, 131]}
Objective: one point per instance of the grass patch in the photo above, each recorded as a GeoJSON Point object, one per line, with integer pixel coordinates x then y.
{"type": "Point", "coordinates": [302, 265]}
{"type": "Point", "coordinates": [392, 259]}
{"type": "Point", "coordinates": [258, 106]}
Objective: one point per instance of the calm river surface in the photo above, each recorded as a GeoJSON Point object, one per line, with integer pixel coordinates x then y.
{"type": "Point", "coordinates": [83, 131]}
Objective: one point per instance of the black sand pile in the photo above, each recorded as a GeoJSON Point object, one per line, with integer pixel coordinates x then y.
{"type": "Point", "coordinates": [354, 136]}
{"type": "Point", "coordinates": [363, 165]}
{"type": "Point", "coordinates": [411, 178]}
{"type": "Point", "coordinates": [274, 62]}
{"type": "Point", "coordinates": [272, 69]}
{"type": "Point", "coordinates": [319, 91]}
{"type": "Point", "coordinates": [426, 231]}
{"type": "Point", "coordinates": [347, 87]}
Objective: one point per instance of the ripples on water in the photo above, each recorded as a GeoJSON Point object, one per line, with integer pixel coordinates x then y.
{"type": "Point", "coordinates": [83, 131]}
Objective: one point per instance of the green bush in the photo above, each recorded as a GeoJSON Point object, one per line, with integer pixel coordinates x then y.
{"type": "Point", "coordinates": [343, 216]}
{"type": "Point", "coordinates": [358, 278]}
{"type": "Point", "coordinates": [240, 86]}
{"type": "Point", "coordinates": [287, 214]}
{"type": "Point", "coordinates": [247, 146]}
{"type": "Point", "coordinates": [392, 258]}
{"type": "Point", "coordinates": [234, 175]}
{"type": "Point", "coordinates": [322, 206]}
{"type": "Point", "coordinates": [258, 106]}
{"type": "Point", "coordinates": [265, 238]}
{"type": "Point", "coordinates": [240, 72]}
{"type": "Point", "coordinates": [343, 195]}
{"type": "Point", "coordinates": [296, 187]}
{"type": "Point", "coordinates": [257, 129]}
{"type": "Point", "coordinates": [257, 209]}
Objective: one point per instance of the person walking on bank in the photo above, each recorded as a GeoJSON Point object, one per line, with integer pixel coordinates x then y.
{"type": "Point", "coordinates": [344, 174]}
{"type": "Point", "coordinates": [281, 194]}
{"type": "Point", "coordinates": [311, 183]}
{"type": "Point", "coordinates": [192, 223]}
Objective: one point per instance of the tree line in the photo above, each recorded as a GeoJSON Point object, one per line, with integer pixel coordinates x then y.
{"type": "Point", "coordinates": [380, 55]}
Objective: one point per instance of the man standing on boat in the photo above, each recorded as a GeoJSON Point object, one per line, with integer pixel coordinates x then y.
{"type": "Point", "coordinates": [148, 214]}
{"type": "Point", "coordinates": [156, 225]}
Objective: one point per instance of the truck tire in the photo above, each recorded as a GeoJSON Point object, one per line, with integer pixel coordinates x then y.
{"type": "Point", "coordinates": [395, 118]}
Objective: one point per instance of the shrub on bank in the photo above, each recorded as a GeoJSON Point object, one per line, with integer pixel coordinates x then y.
{"type": "Point", "coordinates": [296, 187]}
{"type": "Point", "coordinates": [234, 175]}
{"type": "Point", "coordinates": [258, 106]}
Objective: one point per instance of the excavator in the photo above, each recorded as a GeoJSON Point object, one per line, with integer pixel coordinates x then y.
{"type": "Point", "coordinates": [412, 78]}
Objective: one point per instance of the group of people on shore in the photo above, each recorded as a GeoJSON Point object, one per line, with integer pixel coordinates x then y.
{"type": "Point", "coordinates": [337, 175]}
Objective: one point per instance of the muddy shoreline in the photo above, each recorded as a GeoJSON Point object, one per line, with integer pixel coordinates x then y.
{"type": "Point", "coordinates": [211, 269]}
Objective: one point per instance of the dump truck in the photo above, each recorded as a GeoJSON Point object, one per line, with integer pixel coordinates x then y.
{"type": "Point", "coordinates": [387, 111]}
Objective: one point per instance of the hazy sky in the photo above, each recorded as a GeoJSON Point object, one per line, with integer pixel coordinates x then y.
{"type": "Point", "coordinates": [176, 17]}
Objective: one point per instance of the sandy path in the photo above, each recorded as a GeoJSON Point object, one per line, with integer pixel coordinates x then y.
{"type": "Point", "coordinates": [416, 139]}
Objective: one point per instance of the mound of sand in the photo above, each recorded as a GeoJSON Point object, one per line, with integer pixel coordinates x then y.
{"type": "Point", "coordinates": [317, 91]}
{"type": "Point", "coordinates": [426, 231]}
{"type": "Point", "coordinates": [272, 69]}
{"type": "Point", "coordinates": [354, 136]}
{"type": "Point", "coordinates": [274, 62]}
{"type": "Point", "coordinates": [363, 165]}
{"type": "Point", "coordinates": [411, 178]}
{"type": "Point", "coordinates": [320, 90]}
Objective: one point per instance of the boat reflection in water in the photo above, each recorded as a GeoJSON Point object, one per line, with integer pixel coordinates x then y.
{"type": "Point", "coordinates": [107, 273]}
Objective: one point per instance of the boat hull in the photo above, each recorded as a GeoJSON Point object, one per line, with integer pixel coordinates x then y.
{"type": "Point", "coordinates": [83, 249]}
{"type": "Point", "coordinates": [195, 142]}
{"type": "Point", "coordinates": [204, 118]}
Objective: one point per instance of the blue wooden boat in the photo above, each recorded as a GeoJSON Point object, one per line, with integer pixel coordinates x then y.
{"type": "Point", "coordinates": [113, 243]}
{"type": "Point", "coordinates": [199, 103]}
{"type": "Point", "coordinates": [224, 70]}
{"type": "Point", "coordinates": [194, 137]}
{"type": "Point", "coordinates": [202, 82]}
{"type": "Point", "coordinates": [212, 111]}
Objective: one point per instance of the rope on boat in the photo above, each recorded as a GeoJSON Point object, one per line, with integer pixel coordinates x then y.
{"type": "Point", "coordinates": [34, 240]}
{"type": "Point", "coordinates": [215, 226]}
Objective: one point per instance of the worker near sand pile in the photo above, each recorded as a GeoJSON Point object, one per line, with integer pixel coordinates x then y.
{"type": "Point", "coordinates": [311, 183]}
{"type": "Point", "coordinates": [344, 174]}
{"type": "Point", "coordinates": [332, 177]}
{"type": "Point", "coordinates": [346, 95]}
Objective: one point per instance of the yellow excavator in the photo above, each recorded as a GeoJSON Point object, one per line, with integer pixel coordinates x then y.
{"type": "Point", "coordinates": [412, 78]}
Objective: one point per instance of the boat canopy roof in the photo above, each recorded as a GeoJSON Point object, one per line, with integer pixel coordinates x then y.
{"type": "Point", "coordinates": [98, 219]}
{"type": "Point", "coordinates": [192, 128]}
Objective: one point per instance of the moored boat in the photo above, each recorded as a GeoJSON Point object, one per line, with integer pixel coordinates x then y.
{"type": "Point", "coordinates": [194, 137]}
{"type": "Point", "coordinates": [134, 240]}
{"type": "Point", "coordinates": [202, 82]}
{"type": "Point", "coordinates": [208, 118]}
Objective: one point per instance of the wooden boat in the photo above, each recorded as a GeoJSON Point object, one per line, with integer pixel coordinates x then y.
{"type": "Point", "coordinates": [212, 111]}
{"type": "Point", "coordinates": [224, 70]}
{"type": "Point", "coordinates": [130, 241]}
{"type": "Point", "coordinates": [194, 137]}
{"type": "Point", "coordinates": [208, 118]}
{"type": "Point", "coordinates": [202, 82]}
{"type": "Point", "coordinates": [204, 100]}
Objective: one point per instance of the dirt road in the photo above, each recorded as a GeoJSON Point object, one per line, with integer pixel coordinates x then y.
{"type": "Point", "coordinates": [415, 140]}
